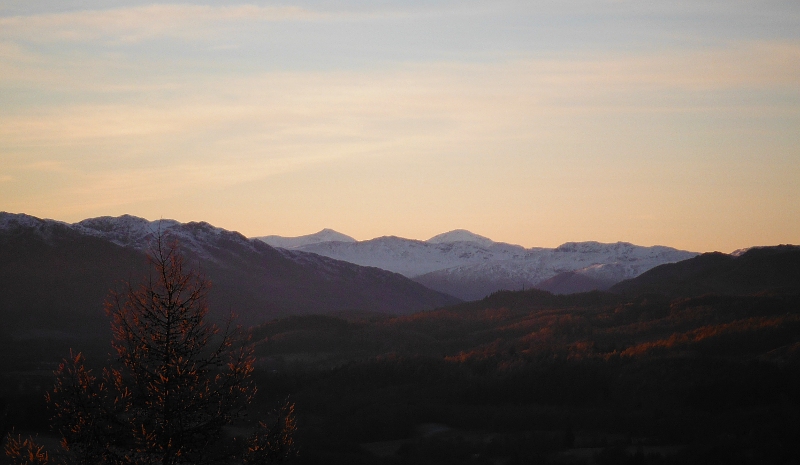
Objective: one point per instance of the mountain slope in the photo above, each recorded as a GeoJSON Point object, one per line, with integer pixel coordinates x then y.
{"type": "Point", "coordinates": [55, 276]}
{"type": "Point", "coordinates": [774, 270]}
{"type": "Point", "coordinates": [54, 279]}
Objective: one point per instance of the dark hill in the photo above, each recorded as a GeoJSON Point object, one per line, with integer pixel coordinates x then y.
{"type": "Point", "coordinates": [571, 282]}
{"type": "Point", "coordinates": [54, 278]}
{"type": "Point", "coordinates": [768, 270]}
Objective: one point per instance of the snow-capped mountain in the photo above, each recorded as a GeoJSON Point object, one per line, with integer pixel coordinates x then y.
{"type": "Point", "coordinates": [460, 235]}
{"type": "Point", "coordinates": [605, 264]}
{"type": "Point", "coordinates": [64, 270]}
{"type": "Point", "coordinates": [200, 238]}
{"type": "Point", "coordinates": [326, 235]}
{"type": "Point", "coordinates": [410, 257]}
{"type": "Point", "coordinates": [470, 266]}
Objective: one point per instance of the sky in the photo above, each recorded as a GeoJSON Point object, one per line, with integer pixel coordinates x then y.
{"type": "Point", "coordinates": [530, 122]}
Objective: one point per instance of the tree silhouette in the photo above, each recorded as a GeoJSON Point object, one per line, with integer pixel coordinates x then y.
{"type": "Point", "coordinates": [176, 388]}
{"type": "Point", "coordinates": [177, 380]}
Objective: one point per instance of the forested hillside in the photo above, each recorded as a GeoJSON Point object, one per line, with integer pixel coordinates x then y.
{"type": "Point", "coordinates": [525, 377]}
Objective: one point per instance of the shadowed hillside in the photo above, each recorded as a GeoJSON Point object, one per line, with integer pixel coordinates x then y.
{"type": "Point", "coordinates": [774, 270]}
{"type": "Point", "coordinates": [57, 273]}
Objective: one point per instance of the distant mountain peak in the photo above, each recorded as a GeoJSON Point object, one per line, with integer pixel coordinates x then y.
{"type": "Point", "coordinates": [326, 235]}
{"type": "Point", "coordinates": [459, 235]}
{"type": "Point", "coordinates": [329, 234]}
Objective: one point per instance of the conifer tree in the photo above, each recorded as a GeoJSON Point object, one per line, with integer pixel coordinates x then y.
{"type": "Point", "coordinates": [177, 381]}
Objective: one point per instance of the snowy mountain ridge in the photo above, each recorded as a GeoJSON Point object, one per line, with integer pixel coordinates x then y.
{"type": "Point", "coordinates": [470, 266]}
{"type": "Point", "coordinates": [250, 277]}
{"type": "Point", "coordinates": [134, 232]}
{"type": "Point", "coordinates": [413, 258]}
{"type": "Point", "coordinates": [459, 263]}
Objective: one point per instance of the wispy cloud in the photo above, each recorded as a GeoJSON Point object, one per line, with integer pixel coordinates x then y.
{"type": "Point", "coordinates": [142, 184]}
{"type": "Point", "coordinates": [185, 21]}
{"type": "Point", "coordinates": [340, 102]}
{"type": "Point", "coordinates": [145, 22]}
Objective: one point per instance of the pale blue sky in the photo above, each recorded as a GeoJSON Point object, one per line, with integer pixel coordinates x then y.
{"type": "Point", "coordinates": [674, 123]}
